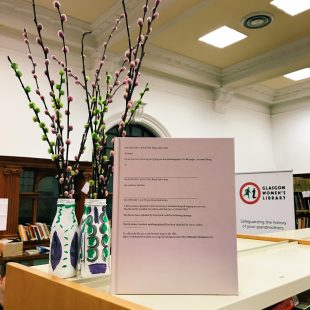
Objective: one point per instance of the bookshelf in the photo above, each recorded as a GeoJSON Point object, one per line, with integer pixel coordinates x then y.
{"type": "Point", "coordinates": [302, 200]}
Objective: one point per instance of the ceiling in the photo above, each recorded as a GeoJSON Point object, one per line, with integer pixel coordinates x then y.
{"type": "Point", "coordinates": [181, 23]}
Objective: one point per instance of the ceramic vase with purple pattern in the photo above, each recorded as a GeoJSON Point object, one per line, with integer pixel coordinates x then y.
{"type": "Point", "coordinates": [95, 239]}
{"type": "Point", "coordinates": [64, 250]}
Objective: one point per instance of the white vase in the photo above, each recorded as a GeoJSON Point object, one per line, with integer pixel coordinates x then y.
{"type": "Point", "coordinates": [95, 239]}
{"type": "Point", "coordinates": [64, 250]}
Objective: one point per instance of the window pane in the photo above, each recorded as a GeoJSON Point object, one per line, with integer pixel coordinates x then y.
{"type": "Point", "coordinates": [25, 210]}
{"type": "Point", "coordinates": [47, 200]}
{"type": "Point", "coordinates": [27, 181]}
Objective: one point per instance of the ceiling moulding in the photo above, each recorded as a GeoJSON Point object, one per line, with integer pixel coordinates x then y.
{"type": "Point", "coordinates": [267, 65]}
{"type": "Point", "coordinates": [181, 68]}
{"type": "Point", "coordinates": [259, 92]}
{"type": "Point", "coordinates": [292, 93]}
{"type": "Point", "coordinates": [222, 98]}
{"type": "Point", "coordinates": [290, 107]}
{"type": "Point", "coordinates": [17, 14]}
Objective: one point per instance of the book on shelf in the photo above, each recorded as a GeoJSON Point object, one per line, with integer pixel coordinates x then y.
{"type": "Point", "coordinates": [33, 232]}
{"type": "Point", "coordinates": [286, 304]}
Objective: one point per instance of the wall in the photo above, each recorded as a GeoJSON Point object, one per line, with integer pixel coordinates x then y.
{"type": "Point", "coordinates": [291, 136]}
{"type": "Point", "coordinates": [184, 110]}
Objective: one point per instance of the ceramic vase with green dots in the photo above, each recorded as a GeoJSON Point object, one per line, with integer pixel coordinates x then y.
{"type": "Point", "coordinates": [64, 250]}
{"type": "Point", "coordinates": [95, 239]}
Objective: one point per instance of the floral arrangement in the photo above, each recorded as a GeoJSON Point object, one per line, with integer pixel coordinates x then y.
{"type": "Point", "coordinates": [99, 94]}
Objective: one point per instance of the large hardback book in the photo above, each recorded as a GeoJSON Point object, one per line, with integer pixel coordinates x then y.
{"type": "Point", "coordinates": [174, 218]}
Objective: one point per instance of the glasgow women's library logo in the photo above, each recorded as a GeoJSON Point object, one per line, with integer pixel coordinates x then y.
{"type": "Point", "coordinates": [250, 193]}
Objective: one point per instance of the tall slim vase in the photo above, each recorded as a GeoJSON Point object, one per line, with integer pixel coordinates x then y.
{"type": "Point", "coordinates": [64, 250]}
{"type": "Point", "coordinates": [95, 239]}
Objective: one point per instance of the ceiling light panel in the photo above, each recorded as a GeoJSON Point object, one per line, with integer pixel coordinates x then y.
{"type": "Point", "coordinates": [222, 37]}
{"type": "Point", "coordinates": [298, 75]}
{"type": "Point", "coordinates": [292, 7]}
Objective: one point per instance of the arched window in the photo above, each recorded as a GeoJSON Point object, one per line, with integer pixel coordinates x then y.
{"type": "Point", "coordinates": [134, 130]}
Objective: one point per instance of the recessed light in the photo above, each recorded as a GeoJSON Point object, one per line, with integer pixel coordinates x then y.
{"type": "Point", "coordinates": [222, 37]}
{"type": "Point", "coordinates": [292, 7]}
{"type": "Point", "coordinates": [298, 75]}
{"type": "Point", "coordinates": [257, 20]}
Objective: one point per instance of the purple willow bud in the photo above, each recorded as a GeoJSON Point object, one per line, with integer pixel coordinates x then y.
{"type": "Point", "coordinates": [33, 72]}
{"type": "Point", "coordinates": [127, 53]}
{"type": "Point", "coordinates": [65, 49]}
{"type": "Point", "coordinates": [45, 72]}
{"type": "Point", "coordinates": [62, 63]}
{"type": "Point", "coordinates": [132, 64]}
{"type": "Point", "coordinates": [125, 95]}
{"type": "Point", "coordinates": [56, 4]}
{"type": "Point", "coordinates": [105, 44]}
{"type": "Point", "coordinates": [76, 157]}
{"type": "Point", "coordinates": [69, 70]}
{"type": "Point", "coordinates": [134, 52]}
{"type": "Point", "coordinates": [122, 69]}
{"type": "Point", "coordinates": [62, 149]}
{"type": "Point", "coordinates": [157, 2]}
{"type": "Point", "coordinates": [111, 153]}
{"type": "Point", "coordinates": [61, 34]}
{"type": "Point", "coordinates": [145, 8]}
{"type": "Point", "coordinates": [70, 99]}
{"type": "Point", "coordinates": [54, 131]}
{"type": "Point", "coordinates": [38, 92]}
{"type": "Point", "coordinates": [62, 127]}
{"type": "Point", "coordinates": [46, 50]}
{"type": "Point", "coordinates": [124, 133]}
{"type": "Point", "coordinates": [110, 88]}
{"type": "Point", "coordinates": [47, 112]}
{"type": "Point", "coordinates": [117, 73]}
{"type": "Point", "coordinates": [126, 59]}
{"type": "Point", "coordinates": [29, 56]}
{"type": "Point", "coordinates": [61, 180]}
{"type": "Point", "coordinates": [63, 17]}
{"type": "Point", "coordinates": [129, 81]}
{"type": "Point", "coordinates": [137, 61]}
{"type": "Point", "coordinates": [142, 38]}
{"type": "Point", "coordinates": [72, 191]}
{"type": "Point", "coordinates": [67, 112]}
{"type": "Point", "coordinates": [26, 41]}
{"type": "Point", "coordinates": [121, 124]}
{"type": "Point", "coordinates": [117, 83]}
{"type": "Point", "coordinates": [140, 22]}
{"type": "Point", "coordinates": [66, 194]}
{"type": "Point", "coordinates": [52, 94]}
{"type": "Point", "coordinates": [39, 41]}
{"type": "Point", "coordinates": [42, 98]}
{"type": "Point", "coordinates": [149, 20]}
{"type": "Point", "coordinates": [54, 57]}
{"type": "Point", "coordinates": [101, 62]}
{"type": "Point", "coordinates": [93, 85]}
{"type": "Point", "coordinates": [122, 15]}
{"type": "Point", "coordinates": [25, 34]}
{"type": "Point", "coordinates": [101, 177]}
{"type": "Point", "coordinates": [110, 100]}
{"type": "Point", "coordinates": [68, 141]}
{"type": "Point", "coordinates": [53, 116]}
{"type": "Point", "coordinates": [77, 82]}
{"type": "Point", "coordinates": [47, 62]}
{"type": "Point", "coordinates": [70, 128]}
{"type": "Point", "coordinates": [129, 105]}
{"type": "Point", "coordinates": [70, 196]}
{"type": "Point", "coordinates": [52, 82]}
{"type": "Point", "coordinates": [155, 15]}
{"type": "Point", "coordinates": [35, 76]}
{"type": "Point", "coordinates": [34, 64]}
{"type": "Point", "coordinates": [39, 27]}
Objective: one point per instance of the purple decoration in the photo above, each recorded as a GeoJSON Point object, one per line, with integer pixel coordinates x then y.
{"type": "Point", "coordinates": [56, 251]}
{"type": "Point", "coordinates": [74, 250]}
{"type": "Point", "coordinates": [96, 215]}
{"type": "Point", "coordinates": [97, 268]}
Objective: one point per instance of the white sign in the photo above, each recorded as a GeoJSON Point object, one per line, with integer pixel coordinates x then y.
{"type": "Point", "coordinates": [3, 213]}
{"type": "Point", "coordinates": [265, 202]}
{"type": "Point", "coordinates": [174, 224]}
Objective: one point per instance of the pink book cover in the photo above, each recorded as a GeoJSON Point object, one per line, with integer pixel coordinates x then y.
{"type": "Point", "coordinates": [174, 218]}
